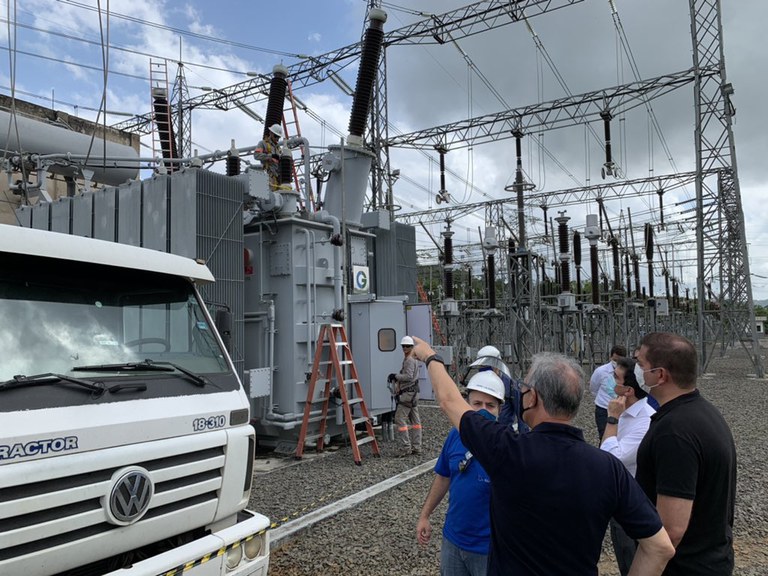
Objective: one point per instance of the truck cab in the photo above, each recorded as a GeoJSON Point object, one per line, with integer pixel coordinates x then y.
{"type": "Point", "coordinates": [125, 443]}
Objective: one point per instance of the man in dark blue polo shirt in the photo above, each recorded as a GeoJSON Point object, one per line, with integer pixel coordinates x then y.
{"type": "Point", "coordinates": [552, 494]}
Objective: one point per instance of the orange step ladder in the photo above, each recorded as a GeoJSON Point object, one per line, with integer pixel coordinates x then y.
{"type": "Point", "coordinates": [334, 354]}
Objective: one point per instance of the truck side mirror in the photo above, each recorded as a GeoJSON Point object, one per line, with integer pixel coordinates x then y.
{"type": "Point", "coordinates": [223, 320]}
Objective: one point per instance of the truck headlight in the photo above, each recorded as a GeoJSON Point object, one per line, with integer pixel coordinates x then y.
{"type": "Point", "coordinates": [252, 546]}
{"type": "Point", "coordinates": [234, 555]}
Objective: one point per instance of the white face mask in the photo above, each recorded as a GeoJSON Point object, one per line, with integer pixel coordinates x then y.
{"type": "Point", "coordinates": [614, 363]}
{"type": "Point", "coordinates": [640, 377]}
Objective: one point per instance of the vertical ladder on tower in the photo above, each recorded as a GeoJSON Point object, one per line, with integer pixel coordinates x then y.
{"type": "Point", "coordinates": [435, 324]}
{"type": "Point", "coordinates": [333, 361]}
{"type": "Point", "coordinates": [163, 142]}
{"type": "Point", "coordinates": [291, 127]}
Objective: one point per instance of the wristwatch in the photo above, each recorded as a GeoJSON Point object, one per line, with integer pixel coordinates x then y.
{"type": "Point", "coordinates": [434, 357]}
{"type": "Point", "coordinates": [612, 420]}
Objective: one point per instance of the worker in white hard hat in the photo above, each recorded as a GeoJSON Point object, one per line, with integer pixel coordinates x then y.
{"type": "Point", "coordinates": [406, 390]}
{"type": "Point", "coordinates": [489, 358]}
{"type": "Point", "coordinates": [268, 152]}
{"type": "Point", "coordinates": [467, 528]}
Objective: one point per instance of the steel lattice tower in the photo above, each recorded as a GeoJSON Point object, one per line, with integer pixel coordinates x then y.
{"type": "Point", "coordinates": [720, 237]}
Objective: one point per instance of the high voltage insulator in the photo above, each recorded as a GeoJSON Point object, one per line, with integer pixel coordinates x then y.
{"type": "Point", "coordinates": [233, 161]}
{"type": "Point", "coordinates": [649, 256]}
{"type": "Point", "coordinates": [661, 205]}
{"type": "Point", "coordinates": [636, 274]}
{"type": "Point", "coordinates": [609, 167]}
{"type": "Point", "coordinates": [628, 274]}
{"type": "Point", "coordinates": [448, 262]}
{"type": "Point", "coordinates": [276, 101]}
{"type": "Point", "coordinates": [592, 233]}
{"type": "Point", "coordinates": [565, 261]}
{"type": "Point", "coordinates": [577, 249]}
{"type": "Point", "coordinates": [366, 75]}
{"type": "Point", "coordinates": [616, 264]}
{"type": "Point", "coordinates": [442, 195]}
{"type": "Point", "coordinates": [577, 260]}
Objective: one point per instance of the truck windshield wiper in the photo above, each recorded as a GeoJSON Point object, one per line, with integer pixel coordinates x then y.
{"type": "Point", "coordinates": [20, 380]}
{"type": "Point", "coordinates": [146, 365]}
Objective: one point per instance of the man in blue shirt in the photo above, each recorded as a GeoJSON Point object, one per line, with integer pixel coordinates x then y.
{"type": "Point", "coordinates": [552, 494]}
{"type": "Point", "coordinates": [467, 528]}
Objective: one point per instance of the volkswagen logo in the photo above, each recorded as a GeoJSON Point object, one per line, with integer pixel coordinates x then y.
{"type": "Point", "coordinates": [130, 496]}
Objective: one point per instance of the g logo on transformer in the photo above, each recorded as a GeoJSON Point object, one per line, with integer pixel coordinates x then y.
{"type": "Point", "coordinates": [130, 496]}
{"type": "Point", "coordinates": [360, 279]}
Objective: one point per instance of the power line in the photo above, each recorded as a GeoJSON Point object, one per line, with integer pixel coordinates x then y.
{"type": "Point", "coordinates": [184, 32]}
{"type": "Point", "coordinates": [121, 48]}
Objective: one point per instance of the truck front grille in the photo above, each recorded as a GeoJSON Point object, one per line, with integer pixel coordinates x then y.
{"type": "Point", "coordinates": [65, 509]}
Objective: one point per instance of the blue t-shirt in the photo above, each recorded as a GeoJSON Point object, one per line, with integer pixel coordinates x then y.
{"type": "Point", "coordinates": [467, 522]}
{"type": "Point", "coordinates": [552, 495]}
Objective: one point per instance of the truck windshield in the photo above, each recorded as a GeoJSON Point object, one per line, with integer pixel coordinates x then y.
{"type": "Point", "coordinates": [59, 315]}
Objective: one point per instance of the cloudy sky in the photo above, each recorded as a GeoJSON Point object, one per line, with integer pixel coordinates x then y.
{"type": "Point", "coordinates": [59, 61]}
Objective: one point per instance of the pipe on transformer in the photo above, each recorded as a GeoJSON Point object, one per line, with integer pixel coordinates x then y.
{"type": "Point", "coordinates": [337, 241]}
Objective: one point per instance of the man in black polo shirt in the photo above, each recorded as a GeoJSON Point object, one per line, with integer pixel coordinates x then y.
{"type": "Point", "coordinates": [552, 494]}
{"type": "Point", "coordinates": [687, 461]}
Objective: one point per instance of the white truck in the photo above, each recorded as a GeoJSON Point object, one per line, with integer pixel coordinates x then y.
{"type": "Point", "coordinates": [125, 439]}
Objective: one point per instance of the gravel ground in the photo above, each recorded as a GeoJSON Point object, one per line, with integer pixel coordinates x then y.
{"type": "Point", "coordinates": [378, 537]}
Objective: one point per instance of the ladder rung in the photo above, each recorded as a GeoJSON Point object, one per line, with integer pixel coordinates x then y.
{"type": "Point", "coordinates": [310, 437]}
{"type": "Point", "coordinates": [315, 419]}
{"type": "Point", "coordinates": [343, 362]}
{"type": "Point", "coordinates": [354, 401]}
{"type": "Point", "coordinates": [356, 421]}
{"type": "Point", "coordinates": [318, 400]}
{"type": "Point", "coordinates": [365, 440]}
{"type": "Point", "coordinates": [350, 381]}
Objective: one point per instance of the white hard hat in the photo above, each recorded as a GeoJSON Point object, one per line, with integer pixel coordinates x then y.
{"type": "Point", "coordinates": [489, 351]}
{"type": "Point", "coordinates": [490, 357]}
{"type": "Point", "coordinates": [489, 383]}
{"type": "Point", "coordinates": [406, 341]}
{"type": "Point", "coordinates": [277, 130]}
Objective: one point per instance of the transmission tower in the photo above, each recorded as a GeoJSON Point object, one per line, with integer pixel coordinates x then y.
{"type": "Point", "coordinates": [720, 237]}
{"type": "Point", "coordinates": [181, 114]}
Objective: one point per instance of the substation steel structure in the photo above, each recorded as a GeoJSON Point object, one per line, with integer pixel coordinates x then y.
{"type": "Point", "coordinates": [527, 317]}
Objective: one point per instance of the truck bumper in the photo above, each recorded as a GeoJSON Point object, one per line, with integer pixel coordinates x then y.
{"type": "Point", "coordinates": [248, 541]}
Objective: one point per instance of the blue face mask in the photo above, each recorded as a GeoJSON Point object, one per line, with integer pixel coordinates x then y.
{"type": "Point", "coordinates": [487, 415]}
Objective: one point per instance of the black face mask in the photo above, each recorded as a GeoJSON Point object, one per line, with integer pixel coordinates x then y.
{"type": "Point", "coordinates": [523, 408]}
